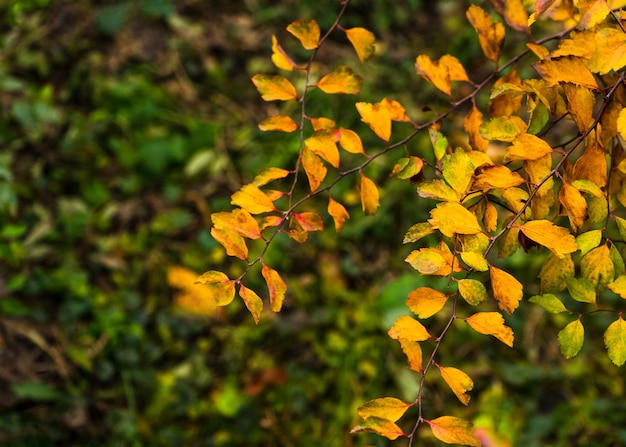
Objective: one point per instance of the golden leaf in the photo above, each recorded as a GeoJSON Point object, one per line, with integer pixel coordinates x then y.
{"type": "Point", "coordinates": [377, 117]}
{"type": "Point", "coordinates": [555, 273]}
{"type": "Point", "coordinates": [490, 33]}
{"type": "Point", "coordinates": [252, 301]}
{"type": "Point", "coordinates": [513, 12]}
{"type": "Point", "coordinates": [408, 328]}
{"type": "Point", "coordinates": [231, 241]}
{"type": "Point", "coordinates": [580, 104]}
{"type": "Point", "coordinates": [252, 199]}
{"type": "Point", "coordinates": [453, 430]}
{"type": "Point", "coordinates": [369, 195]}
{"type": "Point", "coordinates": [475, 260]}
{"type": "Point", "coordinates": [280, 58]}
{"type": "Point", "coordinates": [453, 218]}
{"type": "Point", "coordinates": [432, 261]}
{"type": "Point", "coordinates": [388, 408]}
{"type": "Point", "coordinates": [307, 32]}
{"type": "Point", "coordinates": [383, 427]}
{"type": "Point", "coordinates": [507, 290]}
{"type": "Point", "coordinates": [575, 205]}
{"type": "Point", "coordinates": [503, 128]}
{"type": "Point", "coordinates": [276, 286]}
{"type": "Point", "coordinates": [413, 352]}
{"type": "Point", "coordinates": [338, 212]}
{"type": "Point", "coordinates": [618, 286]}
{"type": "Point", "coordinates": [457, 170]}
{"type": "Point", "coordinates": [592, 166]}
{"type": "Point", "coordinates": [341, 80]}
{"type": "Point", "coordinates": [363, 42]}
{"type": "Point", "coordinates": [472, 290]}
{"type": "Point", "coordinates": [499, 177]}
{"type": "Point", "coordinates": [441, 73]}
{"type": "Point", "coordinates": [323, 143]}
{"type": "Point", "coordinates": [557, 239]}
{"type": "Point", "coordinates": [459, 382]}
{"type": "Point", "coordinates": [221, 288]}
{"type": "Point", "coordinates": [314, 169]}
{"type": "Point", "coordinates": [268, 175]}
{"type": "Point", "coordinates": [281, 123]}
{"type": "Point", "coordinates": [350, 141]}
{"type": "Point", "coordinates": [274, 87]}
{"type": "Point", "coordinates": [426, 302]}
{"type": "Point", "coordinates": [615, 341]}
{"type": "Point", "coordinates": [238, 220]}
{"type": "Point", "coordinates": [438, 190]}
{"type": "Point", "coordinates": [527, 147]}
{"type": "Point", "coordinates": [310, 221]}
{"type": "Point", "coordinates": [322, 123]}
{"type": "Point", "coordinates": [397, 112]}
{"type": "Point", "coordinates": [597, 267]}
{"type": "Point", "coordinates": [472, 123]}
{"type": "Point", "coordinates": [566, 69]}
{"type": "Point", "coordinates": [491, 323]}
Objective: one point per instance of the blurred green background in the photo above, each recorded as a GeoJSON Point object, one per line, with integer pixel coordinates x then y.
{"type": "Point", "coordinates": [123, 125]}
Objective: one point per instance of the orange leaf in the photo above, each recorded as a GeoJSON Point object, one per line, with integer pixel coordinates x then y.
{"type": "Point", "coordinates": [276, 286]}
{"type": "Point", "coordinates": [338, 212]}
{"type": "Point", "coordinates": [575, 205]}
{"type": "Point", "coordinates": [231, 241]}
{"type": "Point", "coordinates": [499, 177]}
{"type": "Point", "coordinates": [369, 195]}
{"type": "Point", "coordinates": [513, 12]}
{"type": "Point", "coordinates": [322, 123]}
{"type": "Point", "coordinates": [252, 199]}
{"type": "Point", "coordinates": [472, 123]}
{"type": "Point", "coordinates": [252, 301]}
{"type": "Point", "coordinates": [491, 323]}
{"type": "Point", "coordinates": [238, 220]}
{"type": "Point", "coordinates": [592, 166]}
{"type": "Point", "coordinates": [310, 221]}
{"type": "Point", "coordinates": [377, 117]}
{"type": "Point", "coordinates": [314, 169]}
{"type": "Point", "coordinates": [580, 104]}
{"type": "Point", "coordinates": [609, 54]}
{"type": "Point", "coordinates": [408, 328]}
{"type": "Point", "coordinates": [281, 123]}
{"type": "Point", "coordinates": [222, 289]}
{"type": "Point", "coordinates": [363, 42]}
{"type": "Point", "coordinates": [426, 302]}
{"type": "Point", "coordinates": [507, 290]}
{"type": "Point", "coordinates": [558, 239]}
{"type": "Point", "coordinates": [268, 175]}
{"type": "Point", "coordinates": [350, 141]}
{"type": "Point", "coordinates": [341, 80]}
{"type": "Point", "coordinates": [380, 426]}
{"type": "Point", "coordinates": [490, 34]}
{"type": "Point", "coordinates": [459, 382]}
{"type": "Point", "coordinates": [453, 218]}
{"type": "Point", "coordinates": [441, 73]}
{"type": "Point", "coordinates": [527, 147]}
{"type": "Point", "coordinates": [388, 408]}
{"type": "Point", "coordinates": [566, 69]}
{"type": "Point", "coordinates": [453, 430]}
{"type": "Point", "coordinates": [280, 58]}
{"type": "Point", "coordinates": [323, 143]}
{"type": "Point", "coordinates": [274, 87]}
{"type": "Point", "coordinates": [307, 32]}
{"type": "Point", "coordinates": [397, 112]}
{"type": "Point", "coordinates": [413, 352]}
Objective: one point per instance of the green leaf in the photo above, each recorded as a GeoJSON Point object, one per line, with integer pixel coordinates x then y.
{"type": "Point", "coordinates": [437, 190]}
{"type": "Point", "coordinates": [440, 143]}
{"type": "Point", "coordinates": [571, 339]}
{"type": "Point", "coordinates": [581, 290]}
{"type": "Point", "coordinates": [418, 231]}
{"type": "Point", "coordinates": [549, 302]}
{"type": "Point", "coordinates": [472, 291]}
{"type": "Point", "coordinates": [597, 267]}
{"type": "Point", "coordinates": [589, 240]}
{"type": "Point", "coordinates": [617, 260]}
{"type": "Point", "coordinates": [615, 341]}
{"type": "Point", "coordinates": [621, 227]}
{"type": "Point", "coordinates": [619, 286]}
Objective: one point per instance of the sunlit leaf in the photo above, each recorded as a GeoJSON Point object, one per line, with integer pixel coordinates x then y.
{"type": "Point", "coordinates": [252, 301]}
{"type": "Point", "coordinates": [231, 241]}
{"type": "Point", "coordinates": [338, 212]}
{"type": "Point", "coordinates": [440, 143]}
{"type": "Point", "coordinates": [566, 69]}
{"type": "Point", "coordinates": [503, 128]}
{"type": "Point", "coordinates": [513, 12]}
{"type": "Point", "coordinates": [459, 382]}
{"type": "Point", "coordinates": [307, 32]}
{"type": "Point", "coordinates": [615, 341]}
{"type": "Point", "coordinates": [610, 54]}
{"type": "Point", "coordinates": [274, 87]}
{"type": "Point", "coordinates": [472, 123]}
{"type": "Point", "coordinates": [238, 220]}
{"type": "Point", "coordinates": [413, 352]}
{"type": "Point", "coordinates": [555, 272]}
{"type": "Point", "coordinates": [417, 231]}
{"type": "Point", "coordinates": [588, 240]}
{"type": "Point", "coordinates": [441, 73]}
{"type": "Point", "coordinates": [597, 267]}
{"type": "Point", "coordinates": [314, 169]}
{"type": "Point", "coordinates": [527, 147]}
{"type": "Point", "coordinates": [341, 80]}
{"type": "Point", "coordinates": [592, 166]}
{"type": "Point", "coordinates": [490, 33]}
{"type": "Point", "coordinates": [575, 205]}
{"type": "Point", "coordinates": [458, 170]}
{"type": "Point", "coordinates": [580, 104]}
{"type": "Point", "coordinates": [408, 328]}
{"type": "Point", "coordinates": [549, 302]}
{"type": "Point", "coordinates": [397, 112]}
{"type": "Point", "coordinates": [452, 430]}
{"type": "Point", "coordinates": [475, 260]}
{"type": "Point", "coordinates": [280, 58]}
{"type": "Point", "coordinates": [221, 288]}
{"type": "Point", "coordinates": [453, 218]}
{"type": "Point", "coordinates": [507, 290]}
{"type": "Point", "coordinates": [276, 286]}
{"type": "Point", "coordinates": [618, 286]}
{"type": "Point", "coordinates": [383, 427]}
{"type": "Point", "coordinates": [491, 323]}
{"type": "Point", "coordinates": [252, 199]}
{"type": "Point", "coordinates": [388, 408]}
{"type": "Point", "coordinates": [280, 123]}
{"type": "Point", "coordinates": [310, 221]}
{"type": "Point", "coordinates": [377, 117]}
{"type": "Point", "coordinates": [426, 302]}
{"type": "Point", "coordinates": [363, 42]}
{"type": "Point", "coordinates": [558, 239]}
{"type": "Point", "coordinates": [323, 144]}
{"type": "Point", "coordinates": [581, 289]}
{"type": "Point", "coordinates": [426, 262]}
{"type": "Point", "coordinates": [322, 123]}
{"type": "Point", "coordinates": [499, 177]}
{"type": "Point", "coordinates": [472, 291]}
{"type": "Point", "coordinates": [350, 141]}
{"type": "Point", "coordinates": [490, 217]}
{"type": "Point", "coordinates": [571, 339]}
{"type": "Point", "coordinates": [268, 175]}
{"type": "Point", "coordinates": [437, 189]}
{"type": "Point", "coordinates": [407, 167]}
{"type": "Point", "coordinates": [369, 195]}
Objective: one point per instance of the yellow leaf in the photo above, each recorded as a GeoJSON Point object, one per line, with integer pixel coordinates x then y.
{"type": "Point", "coordinates": [369, 195]}
{"type": "Point", "coordinates": [575, 205]}
{"type": "Point", "coordinates": [413, 352]}
{"type": "Point", "coordinates": [618, 286]}
{"type": "Point", "coordinates": [453, 218]}
{"type": "Point", "coordinates": [507, 290]}
{"type": "Point", "coordinates": [472, 123]}
{"type": "Point", "coordinates": [338, 212]}
{"type": "Point", "coordinates": [397, 112]}
{"type": "Point", "coordinates": [408, 328]}
{"type": "Point", "coordinates": [610, 54]}
{"type": "Point", "coordinates": [475, 260]}
{"type": "Point", "coordinates": [307, 32]}
{"type": "Point", "coordinates": [580, 104]}
{"type": "Point", "coordinates": [341, 80]}
{"type": "Point", "coordinates": [350, 141]}
{"type": "Point", "coordinates": [221, 288]}
{"type": "Point", "coordinates": [441, 73]}
{"type": "Point", "coordinates": [571, 339]}
{"type": "Point", "coordinates": [252, 301]}
{"type": "Point", "coordinates": [323, 143]}
{"type": "Point", "coordinates": [459, 382]}
{"type": "Point", "coordinates": [503, 128]}
{"type": "Point", "coordinates": [438, 190]}
{"type": "Point", "coordinates": [426, 262]}
{"type": "Point", "coordinates": [558, 239]}
{"type": "Point", "coordinates": [280, 58]}
{"type": "Point", "coordinates": [238, 220]}
{"type": "Point", "coordinates": [592, 13]}
{"type": "Point", "coordinates": [388, 408]}
{"type": "Point", "coordinates": [592, 166]}
{"type": "Point", "coordinates": [527, 147]}
{"type": "Point", "coordinates": [491, 323]}
{"type": "Point", "coordinates": [276, 286]}
{"type": "Point", "coordinates": [417, 231]}
{"type": "Point", "coordinates": [252, 199]}
{"type": "Point", "coordinates": [453, 430]}
{"type": "Point", "coordinates": [490, 217]}
{"type": "Point", "coordinates": [363, 42]}
{"type": "Point", "coordinates": [193, 298]}
{"type": "Point", "coordinates": [281, 123]}
{"type": "Point", "coordinates": [566, 69]}
{"type": "Point", "coordinates": [314, 169]}
{"type": "Point", "coordinates": [621, 122]}
{"type": "Point", "coordinates": [322, 123]}
{"type": "Point", "coordinates": [274, 87]}
{"type": "Point", "coordinates": [231, 241]}
{"type": "Point", "coordinates": [506, 98]}
{"type": "Point", "coordinates": [615, 341]}
{"type": "Point", "coordinates": [458, 170]}
{"type": "Point", "coordinates": [541, 6]}
{"type": "Point", "coordinates": [513, 12]}
{"type": "Point", "coordinates": [383, 427]}
{"type": "Point", "coordinates": [426, 302]}
{"type": "Point", "coordinates": [555, 272]}
{"type": "Point", "coordinates": [472, 291]}
{"type": "Point", "coordinates": [377, 117]}
{"type": "Point", "coordinates": [490, 33]}
{"type": "Point", "coordinates": [588, 240]}
{"type": "Point", "coordinates": [597, 267]}
{"type": "Point", "coordinates": [268, 175]}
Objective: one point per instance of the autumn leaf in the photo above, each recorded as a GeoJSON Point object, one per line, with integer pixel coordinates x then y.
{"type": "Point", "coordinates": [307, 32]}
{"type": "Point", "coordinates": [597, 267]}
{"type": "Point", "coordinates": [458, 170]}
{"type": "Point", "coordinates": [281, 123]}
{"type": "Point", "coordinates": [490, 33]}
{"type": "Point", "coordinates": [417, 231]}
{"type": "Point", "coordinates": [338, 212]}
{"type": "Point", "coordinates": [452, 430]}
{"type": "Point", "coordinates": [252, 199]}
{"type": "Point", "coordinates": [221, 288]}
{"type": "Point", "coordinates": [555, 272]}
{"type": "Point", "coordinates": [491, 323]}
{"type": "Point", "coordinates": [413, 352]}
{"type": "Point", "coordinates": [571, 339]}
{"type": "Point", "coordinates": [453, 218]}
{"type": "Point", "coordinates": [566, 69]}
{"type": "Point", "coordinates": [369, 195]}
{"type": "Point", "coordinates": [581, 289]}
{"type": "Point", "coordinates": [618, 286]}
{"type": "Point", "coordinates": [377, 117]}
{"type": "Point", "coordinates": [341, 80]}
{"type": "Point", "coordinates": [580, 104]}
{"type": "Point", "coordinates": [473, 121]}
{"type": "Point", "coordinates": [513, 12]}
{"type": "Point", "coordinates": [615, 341]}
{"type": "Point", "coordinates": [440, 143]}
{"type": "Point", "coordinates": [408, 328]}
{"type": "Point", "coordinates": [592, 166]}
{"type": "Point", "coordinates": [507, 290]}
{"type": "Point", "coordinates": [475, 260]}
{"type": "Point", "coordinates": [441, 73]}
{"type": "Point", "coordinates": [238, 220]}
{"type": "Point", "coordinates": [280, 58]}
{"type": "Point", "coordinates": [350, 141]}
{"type": "Point", "coordinates": [426, 302]}
{"type": "Point", "coordinates": [231, 241]}
{"type": "Point", "coordinates": [496, 177]}
{"type": "Point", "coordinates": [310, 221]}
{"type": "Point", "coordinates": [407, 167]}
{"type": "Point", "coordinates": [252, 301]}
{"type": "Point", "coordinates": [437, 189]}
{"type": "Point", "coordinates": [527, 147]}
{"type": "Point", "coordinates": [588, 241]}
{"type": "Point", "coordinates": [558, 239]}
{"type": "Point", "coordinates": [323, 144]}
{"type": "Point", "coordinates": [191, 297]}
{"type": "Point", "coordinates": [322, 123]}
{"type": "Point", "coordinates": [575, 205]}
{"type": "Point", "coordinates": [472, 291]}
{"type": "Point", "coordinates": [426, 262]}
{"type": "Point", "coordinates": [397, 112]}
{"type": "Point", "coordinates": [314, 169]}
{"type": "Point", "coordinates": [388, 408]}
{"type": "Point", "coordinates": [502, 128]}
{"type": "Point", "coordinates": [549, 302]}
{"type": "Point", "coordinates": [383, 427]}
{"type": "Point", "coordinates": [276, 286]}
{"type": "Point", "coordinates": [459, 382]}
{"type": "Point", "coordinates": [363, 42]}
{"type": "Point", "coordinates": [268, 175]}
{"type": "Point", "coordinates": [274, 87]}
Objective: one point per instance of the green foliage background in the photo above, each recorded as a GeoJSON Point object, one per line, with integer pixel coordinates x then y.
{"type": "Point", "coordinates": [123, 125]}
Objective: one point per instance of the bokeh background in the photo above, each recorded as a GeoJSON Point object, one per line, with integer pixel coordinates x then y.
{"type": "Point", "coordinates": [123, 125]}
